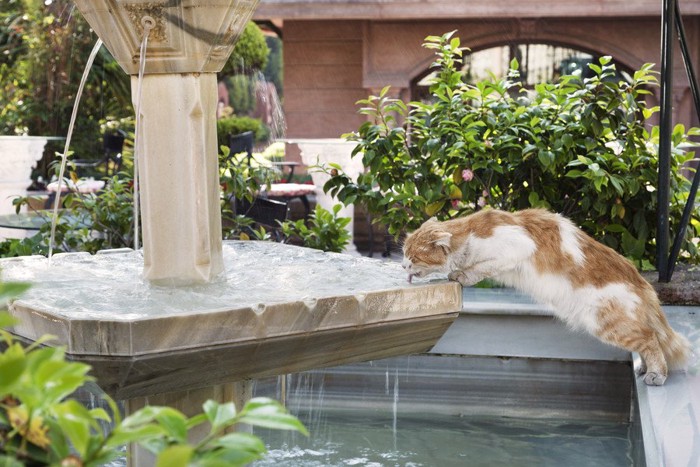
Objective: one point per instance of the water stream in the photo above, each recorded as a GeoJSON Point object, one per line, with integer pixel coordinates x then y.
{"type": "Point", "coordinates": [148, 23]}
{"type": "Point", "coordinates": [64, 156]}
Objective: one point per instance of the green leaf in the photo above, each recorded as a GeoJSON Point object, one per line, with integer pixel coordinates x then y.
{"type": "Point", "coordinates": [265, 412]}
{"type": "Point", "coordinates": [617, 184]}
{"type": "Point", "coordinates": [175, 456]}
{"type": "Point", "coordinates": [6, 461]}
{"type": "Point", "coordinates": [241, 441]}
{"type": "Point", "coordinates": [10, 290]}
{"type": "Point", "coordinates": [534, 199]}
{"type": "Point", "coordinates": [219, 415]}
{"type": "Point", "coordinates": [276, 421]}
{"type": "Point", "coordinates": [121, 435]}
{"type": "Point", "coordinates": [615, 228]}
{"type": "Point", "coordinates": [13, 362]}
{"type": "Point", "coordinates": [546, 158]}
{"type": "Point", "coordinates": [574, 173]}
{"type": "Point", "coordinates": [75, 420]}
{"type": "Point", "coordinates": [174, 423]}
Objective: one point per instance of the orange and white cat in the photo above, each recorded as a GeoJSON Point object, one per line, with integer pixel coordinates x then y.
{"type": "Point", "coordinates": [587, 284]}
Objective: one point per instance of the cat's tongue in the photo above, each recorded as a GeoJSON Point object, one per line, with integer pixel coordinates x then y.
{"type": "Point", "coordinates": [410, 278]}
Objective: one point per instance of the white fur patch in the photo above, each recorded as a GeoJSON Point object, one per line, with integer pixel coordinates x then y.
{"type": "Point", "coordinates": [570, 243]}
{"type": "Point", "coordinates": [577, 306]}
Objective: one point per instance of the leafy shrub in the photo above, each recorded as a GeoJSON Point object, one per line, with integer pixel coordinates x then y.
{"type": "Point", "coordinates": [242, 181]}
{"type": "Point", "coordinates": [250, 52]}
{"type": "Point", "coordinates": [324, 230]}
{"type": "Point", "coordinates": [581, 147]}
{"type": "Point", "coordinates": [90, 222]}
{"type": "Point", "coordinates": [97, 221]}
{"type": "Point", "coordinates": [235, 125]}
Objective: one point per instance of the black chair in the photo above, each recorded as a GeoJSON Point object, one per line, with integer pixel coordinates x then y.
{"type": "Point", "coordinates": [112, 146]}
{"type": "Point", "coordinates": [265, 212]}
{"type": "Point", "coordinates": [242, 142]}
{"type": "Point", "coordinates": [284, 192]}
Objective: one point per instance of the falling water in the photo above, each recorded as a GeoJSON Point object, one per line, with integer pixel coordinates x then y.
{"type": "Point", "coordinates": [395, 405]}
{"type": "Point", "coordinates": [273, 116]}
{"type": "Point", "coordinates": [148, 23]}
{"type": "Point", "coordinates": [64, 156]}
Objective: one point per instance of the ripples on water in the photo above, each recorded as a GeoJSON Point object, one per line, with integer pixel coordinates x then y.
{"type": "Point", "coordinates": [368, 440]}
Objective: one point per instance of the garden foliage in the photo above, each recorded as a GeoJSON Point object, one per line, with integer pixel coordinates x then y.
{"type": "Point", "coordinates": [581, 147]}
{"type": "Point", "coordinates": [324, 230]}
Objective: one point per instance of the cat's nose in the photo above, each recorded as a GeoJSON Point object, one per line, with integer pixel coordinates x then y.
{"type": "Point", "coordinates": [406, 264]}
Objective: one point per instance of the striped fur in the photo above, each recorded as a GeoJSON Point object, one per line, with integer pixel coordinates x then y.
{"type": "Point", "coordinates": [588, 285]}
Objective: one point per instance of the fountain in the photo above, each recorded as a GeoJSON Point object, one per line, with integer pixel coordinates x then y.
{"type": "Point", "coordinates": [182, 319]}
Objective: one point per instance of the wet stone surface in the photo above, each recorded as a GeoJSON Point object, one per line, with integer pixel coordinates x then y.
{"type": "Point", "coordinates": [683, 289]}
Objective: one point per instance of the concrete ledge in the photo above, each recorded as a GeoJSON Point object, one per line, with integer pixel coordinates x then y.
{"type": "Point", "coordinates": [670, 414]}
{"type": "Point", "coordinates": [501, 322]}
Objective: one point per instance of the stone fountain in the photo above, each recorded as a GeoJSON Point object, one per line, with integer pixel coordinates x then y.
{"type": "Point", "coordinates": [180, 320]}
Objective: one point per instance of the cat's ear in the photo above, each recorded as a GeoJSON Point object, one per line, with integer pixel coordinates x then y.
{"type": "Point", "coordinates": [442, 239]}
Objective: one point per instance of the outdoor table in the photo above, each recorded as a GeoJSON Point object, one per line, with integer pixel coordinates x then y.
{"type": "Point", "coordinates": [25, 220]}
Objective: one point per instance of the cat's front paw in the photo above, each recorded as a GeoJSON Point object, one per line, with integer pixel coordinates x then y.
{"type": "Point", "coordinates": [462, 278]}
{"type": "Point", "coordinates": [654, 379]}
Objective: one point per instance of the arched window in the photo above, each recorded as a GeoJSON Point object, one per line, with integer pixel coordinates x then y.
{"type": "Point", "coordinates": [537, 63]}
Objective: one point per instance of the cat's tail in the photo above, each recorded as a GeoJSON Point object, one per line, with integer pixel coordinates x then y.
{"type": "Point", "coordinates": [676, 349]}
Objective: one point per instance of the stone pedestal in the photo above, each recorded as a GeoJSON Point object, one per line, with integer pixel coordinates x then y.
{"type": "Point", "coordinates": [18, 154]}
{"type": "Point", "coordinates": [178, 162]}
{"type": "Point", "coordinates": [323, 151]}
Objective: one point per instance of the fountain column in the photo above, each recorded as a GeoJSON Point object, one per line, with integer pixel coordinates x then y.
{"type": "Point", "coordinates": [180, 200]}
{"type": "Point", "coordinates": [189, 41]}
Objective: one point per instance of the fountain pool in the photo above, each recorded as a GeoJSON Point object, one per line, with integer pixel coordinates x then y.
{"type": "Point", "coordinates": [447, 411]}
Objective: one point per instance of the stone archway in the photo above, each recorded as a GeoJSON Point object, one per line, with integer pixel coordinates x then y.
{"type": "Point", "coordinates": [392, 52]}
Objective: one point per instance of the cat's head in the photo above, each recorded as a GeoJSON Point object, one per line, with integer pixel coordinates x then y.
{"type": "Point", "coordinates": [426, 250]}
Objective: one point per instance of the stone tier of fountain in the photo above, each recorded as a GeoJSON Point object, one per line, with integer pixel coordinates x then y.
{"type": "Point", "coordinates": [276, 309]}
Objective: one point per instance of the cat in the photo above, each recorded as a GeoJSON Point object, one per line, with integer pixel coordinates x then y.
{"type": "Point", "coordinates": [588, 285]}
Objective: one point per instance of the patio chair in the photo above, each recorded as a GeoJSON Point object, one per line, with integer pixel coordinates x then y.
{"type": "Point", "coordinates": [112, 146]}
{"type": "Point", "coordinates": [265, 212]}
{"type": "Point", "coordinates": [282, 191]}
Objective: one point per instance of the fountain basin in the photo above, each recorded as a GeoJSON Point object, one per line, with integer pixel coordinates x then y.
{"type": "Point", "coordinates": [276, 309]}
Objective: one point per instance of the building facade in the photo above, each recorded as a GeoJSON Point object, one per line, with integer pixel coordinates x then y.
{"type": "Point", "coordinates": [337, 52]}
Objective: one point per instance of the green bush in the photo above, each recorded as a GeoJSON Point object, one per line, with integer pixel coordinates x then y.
{"type": "Point", "coordinates": [249, 53]}
{"type": "Point", "coordinates": [581, 147]}
{"type": "Point", "coordinates": [90, 222]}
{"type": "Point", "coordinates": [324, 230]}
{"type": "Point", "coordinates": [235, 125]}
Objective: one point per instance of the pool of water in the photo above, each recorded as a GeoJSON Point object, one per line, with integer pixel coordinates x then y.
{"type": "Point", "coordinates": [456, 411]}
{"type": "Point", "coordinates": [374, 439]}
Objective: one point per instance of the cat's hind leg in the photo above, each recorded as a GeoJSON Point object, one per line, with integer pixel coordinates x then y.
{"type": "Point", "coordinates": [618, 327]}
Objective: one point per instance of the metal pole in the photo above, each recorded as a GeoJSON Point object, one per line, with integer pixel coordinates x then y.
{"type": "Point", "coordinates": [665, 128]}
{"type": "Point", "coordinates": [690, 203]}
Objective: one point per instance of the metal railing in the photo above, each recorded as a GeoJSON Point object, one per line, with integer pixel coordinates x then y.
{"type": "Point", "coordinates": [672, 21]}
